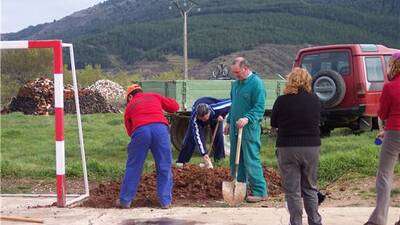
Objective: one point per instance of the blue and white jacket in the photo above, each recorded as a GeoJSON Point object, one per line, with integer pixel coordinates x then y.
{"type": "Point", "coordinates": [218, 107]}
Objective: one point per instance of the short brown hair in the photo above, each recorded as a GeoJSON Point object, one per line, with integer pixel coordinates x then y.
{"type": "Point", "coordinates": [202, 109]}
{"type": "Point", "coordinates": [298, 79]}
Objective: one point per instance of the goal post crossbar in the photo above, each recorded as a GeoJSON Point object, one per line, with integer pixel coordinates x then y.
{"type": "Point", "coordinates": [56, 46]}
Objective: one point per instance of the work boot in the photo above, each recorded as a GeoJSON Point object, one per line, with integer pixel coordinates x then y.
{"type": "Point", "coordinates": [168, 206]}
{"type": "Point", "coordinates": [321, 197]}
{"type": "Point", "coordinates": [121, 205]}
{"type": "Point", "coordinates": [255, 199]}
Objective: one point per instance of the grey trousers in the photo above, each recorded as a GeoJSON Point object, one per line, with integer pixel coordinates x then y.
{"type": "Point", "coordinates": [390, 154]}
{"type": "Point", "coordinates": [298, 166]}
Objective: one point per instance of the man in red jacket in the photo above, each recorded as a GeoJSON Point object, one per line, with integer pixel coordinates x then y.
{"type": "Point", "coordinates": [147, 126]}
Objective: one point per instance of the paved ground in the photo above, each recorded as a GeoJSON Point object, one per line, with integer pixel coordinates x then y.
{"type": "Point", "coordinates": [177, 216]}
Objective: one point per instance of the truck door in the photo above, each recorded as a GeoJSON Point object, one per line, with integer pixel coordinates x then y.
{"type": "Point", "coordinates": [374, 67]}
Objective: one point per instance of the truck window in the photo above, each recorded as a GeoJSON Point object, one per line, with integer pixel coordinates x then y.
{"type": "Point", "coordinates": [374, 68]}
{"type": "Point", "coordinates": [337, 61]}
{"type": "Point", "coordinates": [387, 58]}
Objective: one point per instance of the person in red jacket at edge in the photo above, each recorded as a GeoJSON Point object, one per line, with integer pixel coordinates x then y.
{"type": "Point", "coordinates": [389, 113]}
{"type": "Point", "coordinates": [147, 126]}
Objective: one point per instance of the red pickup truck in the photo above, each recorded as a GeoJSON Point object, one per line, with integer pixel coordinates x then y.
{"type": "Point", "coordinates": [348, 79]}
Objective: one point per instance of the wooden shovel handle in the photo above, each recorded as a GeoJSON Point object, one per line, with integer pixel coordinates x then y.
{"type": "Point", "coordinates": [213, 138]}
{"type": "Point", "coordinates": [238, 148]}
{"type": "Point", "coordinates": [21, 219]}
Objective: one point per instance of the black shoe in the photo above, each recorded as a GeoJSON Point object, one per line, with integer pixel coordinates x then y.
{"type": "Point", "coordinates": [121, 205]}
{"type": "Point", "coordinates": [168, 206]}
{"type": "Point", "coordinates": [255, 199]}
{"type": "Point", "coordinates": [321, 197]}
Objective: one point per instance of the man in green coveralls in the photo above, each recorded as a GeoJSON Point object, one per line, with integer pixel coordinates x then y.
{"type": "Point", "coordinates": [247, 110]}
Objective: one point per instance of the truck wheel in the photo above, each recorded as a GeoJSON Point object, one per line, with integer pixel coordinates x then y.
{"type": "Point", "coordinates": [363, 124]}
{"type": "Point", "coordinates": [330, 88]}
{"type": "Point", "coordinates": [179, 124]}
{"type": "Point", "coordinates": [375, 123]}
{"type": "Point", "coordinates": [325, 131]}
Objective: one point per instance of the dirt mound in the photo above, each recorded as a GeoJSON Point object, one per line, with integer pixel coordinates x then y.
{"type": "Point", "coordinates": [266, 59]}
{"type": "Point", "coordinates": [192, 184]}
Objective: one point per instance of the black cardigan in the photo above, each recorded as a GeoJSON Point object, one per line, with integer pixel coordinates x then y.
{"type": "Point", "coordinates": [297, 117]}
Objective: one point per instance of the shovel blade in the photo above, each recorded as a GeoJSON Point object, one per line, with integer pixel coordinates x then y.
{"type": "Point", "coordinates": [234, 192]}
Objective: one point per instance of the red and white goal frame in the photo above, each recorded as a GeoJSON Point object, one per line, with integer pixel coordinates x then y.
{"type": "Point", "coordinates": [57, 46]}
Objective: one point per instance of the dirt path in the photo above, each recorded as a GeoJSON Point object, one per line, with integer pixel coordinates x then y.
{"type": "Point", "coordinates": [178, 215]}
{"type": "Point", "coordinates": [358, 192]}
{"type": "Point", "coordinates": [339, 208]}
{"type": "Point", "coordinates": [343, 193]}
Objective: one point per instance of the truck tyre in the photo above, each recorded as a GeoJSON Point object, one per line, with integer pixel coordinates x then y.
{"type": "Point", "coordinates": [330, 88]}
{"type": "Point", "coordinates": [179, 124]}
{"type": "Point", "coordinates": [375, 123]}
{"type": "Point", "coordinates": [363, 124]}
{"type": "Point", "coordinates": [325, 131]}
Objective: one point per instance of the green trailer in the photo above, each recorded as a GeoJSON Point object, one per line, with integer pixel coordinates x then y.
{"type": "Point", "coordinates": [186, 92]}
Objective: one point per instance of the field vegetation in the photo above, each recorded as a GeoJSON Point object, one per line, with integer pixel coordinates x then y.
{"type": "Point", "coordinates": [27, 149]}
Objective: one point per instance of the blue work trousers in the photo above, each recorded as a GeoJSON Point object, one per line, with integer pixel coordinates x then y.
{"type": "Point", "coordinates": [154, 136]}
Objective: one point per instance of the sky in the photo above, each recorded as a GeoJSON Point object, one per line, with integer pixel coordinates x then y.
{"type": "Point", "coordinates": [19, 14]}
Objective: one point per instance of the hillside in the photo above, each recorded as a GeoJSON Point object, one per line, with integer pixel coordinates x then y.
{"type": "Point", "coordinates": [267, 59]}
{"type": "Point", "coordinates": [125, 32]}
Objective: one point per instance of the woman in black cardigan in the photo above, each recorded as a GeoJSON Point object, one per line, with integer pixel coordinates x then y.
{"type": "Point", "coordinates": [296, 117]}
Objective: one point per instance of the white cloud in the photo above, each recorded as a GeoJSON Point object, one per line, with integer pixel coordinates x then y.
{"type": "Point", "coordinates": [19, 14]}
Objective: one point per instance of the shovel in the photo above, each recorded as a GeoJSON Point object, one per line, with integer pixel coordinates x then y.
{"type": "Point", "coordinates": [234, 192]}
{"type": "Point", "coordinates": [213, 138]}
{"type": "Point", "coordinates": [212, 144]}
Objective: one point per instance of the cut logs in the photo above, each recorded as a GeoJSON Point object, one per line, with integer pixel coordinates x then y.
{"type": "Point", "coordinates": [113, 93]}
{"type": "Point", "coordinates": [37, 98]}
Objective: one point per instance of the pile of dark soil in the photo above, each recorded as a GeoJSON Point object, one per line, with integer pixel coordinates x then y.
{"type": "Point", "coordinates": [192, 185]}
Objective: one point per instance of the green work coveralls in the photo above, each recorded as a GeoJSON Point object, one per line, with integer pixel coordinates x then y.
{"type": "Point", "coordinates": [248, 100]}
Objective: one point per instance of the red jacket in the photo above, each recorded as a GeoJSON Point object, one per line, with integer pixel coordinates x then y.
{"type": "Point", "coordinates": [389, 107]}
{"type": "Point", "coordinates": [146, 108]}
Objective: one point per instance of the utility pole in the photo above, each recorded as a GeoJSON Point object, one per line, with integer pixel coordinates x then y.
{"type": "Point", "coordinates": [185, 45]}
{"type": "Point", "coordinates": [184, 8]}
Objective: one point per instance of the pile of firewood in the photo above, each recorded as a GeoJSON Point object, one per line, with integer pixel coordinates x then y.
{"type": "Point", "coordinates": [37, 98]}
{"type": "Point", "coordinates": [89, 102]}
{"type": "Point", "coordinates": [111, 91]}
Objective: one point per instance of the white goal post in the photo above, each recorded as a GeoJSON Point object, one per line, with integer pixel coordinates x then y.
{"type": "Point", "coordinates": [56, 46]}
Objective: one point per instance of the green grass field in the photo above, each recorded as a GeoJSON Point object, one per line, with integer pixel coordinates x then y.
{"type": "Point", "coordinates": [27, 149]}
